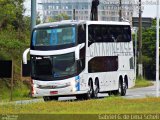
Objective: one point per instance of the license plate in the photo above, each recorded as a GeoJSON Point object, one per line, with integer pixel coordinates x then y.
{"type": "Point", "coordinates": [53, 92]}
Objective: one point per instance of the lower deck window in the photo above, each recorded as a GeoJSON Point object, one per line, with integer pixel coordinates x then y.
{"type": "Point", "coordinates": [103, 64]}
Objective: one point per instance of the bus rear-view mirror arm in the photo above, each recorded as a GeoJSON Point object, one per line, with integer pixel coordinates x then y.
{"type": "Point", "coordinates": [77, 51]}
{"type": "Point", "coordinates": [25, 55]}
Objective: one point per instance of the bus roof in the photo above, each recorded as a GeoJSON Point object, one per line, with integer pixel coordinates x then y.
{"type": "Point", "coordinates": [77, 22]}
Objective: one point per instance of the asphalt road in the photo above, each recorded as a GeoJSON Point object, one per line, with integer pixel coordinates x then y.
{"type": "Point", "coordinates": [131, 94]}
{"type": "Point", "coordinates": [142, 92]}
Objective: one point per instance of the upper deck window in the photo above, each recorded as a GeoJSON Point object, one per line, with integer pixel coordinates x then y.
{"type": "Point", "coordinates": [109, 33]}
{"type": "Point", "coordinates": [54, 36]}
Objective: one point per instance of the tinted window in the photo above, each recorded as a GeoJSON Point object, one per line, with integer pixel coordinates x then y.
{"type": "Point", "coordinates": [103, 64]}
{"type": "Point", "coordinates": [54, 67]}
{"type": "Point", "coordinates": [81, 34]}
{"type": "Point", "coordinates": [131, 63]}
{"type": "Point", "coordinates": [54, 36]}
{"type": "Point", "coordinates": [82, 39]}
{"type": "Point", "coordinates": [109, 33]}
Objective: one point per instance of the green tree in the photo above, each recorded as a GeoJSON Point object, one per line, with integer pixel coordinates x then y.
{"type": "Point", "coordinates": [11, 14]}
{"type": "Point", "coordinates": [149, 51]}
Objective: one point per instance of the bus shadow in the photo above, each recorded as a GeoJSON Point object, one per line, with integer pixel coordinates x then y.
{"type": "Point", "coordinates": [77, 100]}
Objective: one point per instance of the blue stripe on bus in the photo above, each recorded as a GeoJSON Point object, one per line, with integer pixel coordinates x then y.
{"type": "Point", "coordinates": [78, 86]}
{"type": "Point", "coordinates": [77, 78]}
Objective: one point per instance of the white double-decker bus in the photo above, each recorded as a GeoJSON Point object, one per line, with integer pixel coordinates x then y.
{"type": "Point", "coordinates": [81, 58]}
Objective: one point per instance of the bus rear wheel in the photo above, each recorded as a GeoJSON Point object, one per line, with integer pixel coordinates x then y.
{"type": "Point", "coordinates": [121, 89]}
{"type": "Point", "coordinates": [87, 95]}
{"type": "Point", "coordinates": [124, 89]}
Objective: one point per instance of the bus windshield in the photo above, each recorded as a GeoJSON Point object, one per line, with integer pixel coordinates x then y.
{"type": "Point", "coordinates": [53, 36]}
{"type": "Point", "coordinates": [54, 67]}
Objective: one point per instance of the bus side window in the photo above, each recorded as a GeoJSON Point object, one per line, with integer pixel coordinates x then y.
{"type": "Point", "coordinates": [82, 39]}
{"type": "Point", "coordinates": [90, 37]}
{"type": "Point", "coordinates": [98, 34]}
{"type": "Point", "coordinates": [124, 34]}
{"type": "Point", "coordinates": [81, 34]}
{"type": "Point", "coordinates": [108, 35]}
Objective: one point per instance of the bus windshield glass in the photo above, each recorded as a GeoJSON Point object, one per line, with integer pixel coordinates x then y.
{"type": "Point", "coordinates": [54, 67]}
{"type": "Point", "coordinates": [54, 36]}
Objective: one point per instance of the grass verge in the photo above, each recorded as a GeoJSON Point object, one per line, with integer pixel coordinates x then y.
{"type": "Point", "coordinates": [109, 105]}
{"type": "Point", "coordinates": [141, 82]}
{"type": "Point", "coordinates": [20, 91]}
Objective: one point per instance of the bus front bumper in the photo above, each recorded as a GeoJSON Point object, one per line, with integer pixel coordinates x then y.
{"type": "Point", "coordinates": [56, 92]}
{"type": "Point", "coordinates": [66, 87]}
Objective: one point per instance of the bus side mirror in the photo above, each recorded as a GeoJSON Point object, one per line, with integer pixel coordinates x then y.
{"type": "Point", "coordinates": [25, 55]}
{"type": "Point", "coordinates": [77, 51]}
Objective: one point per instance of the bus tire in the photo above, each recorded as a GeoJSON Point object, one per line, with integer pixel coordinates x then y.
{"type": "Point", "coordinates": [79, 97]}
{"type": "Point", "coordinates": [46, 98]}
{"type": "Point", "coordinates": [54, 98]}
{"type": "Point", "coordinates": [110, 93]}
{"type": "Point", "coordinates": [95, 95]}
{"type": "Point", "coordinates": [89, 94]}
{"type": "Point", "coordinates": [122, 89]}
{"type": "Point", "coordinates": [50, 98]}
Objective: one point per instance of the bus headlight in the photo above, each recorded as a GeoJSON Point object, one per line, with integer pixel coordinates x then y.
{"type": "Point", "coordinates": [35, 85]}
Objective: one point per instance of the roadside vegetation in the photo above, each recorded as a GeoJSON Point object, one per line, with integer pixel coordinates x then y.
{"type": "Point", "coordinates": [107, 105]}
{"type": "Point", "coordinates": [20, 91]}
{"type": "Point", "coordinates": [142, 82]}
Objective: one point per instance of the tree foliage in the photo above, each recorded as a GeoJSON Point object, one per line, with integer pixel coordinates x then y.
{"type": "Point", "coordinates": [11, 14]}
{"type": "Point", "coordinates": [14, 28]}
{"type": "Point", "coordinates": [149, 51]}
{"type": "Point", "coordinates": [14, 32]}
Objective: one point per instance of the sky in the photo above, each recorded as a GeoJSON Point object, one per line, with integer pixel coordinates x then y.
{"type": "Point", "coordinates": [149, 8]}
{"type": "Point", "coordinates": [150, 11]}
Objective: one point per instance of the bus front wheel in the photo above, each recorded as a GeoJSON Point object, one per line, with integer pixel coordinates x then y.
{"type": "Point", "coordinates": [96, 89]}
{"type": "Point", "coordinates": [50, 98]}
{"type": "Point", "coordinates": [90, 92]}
